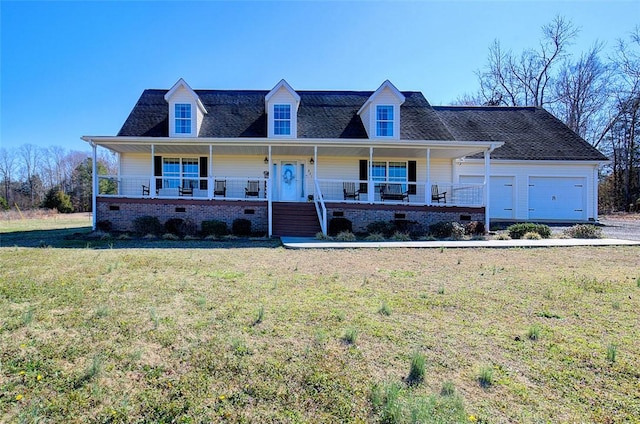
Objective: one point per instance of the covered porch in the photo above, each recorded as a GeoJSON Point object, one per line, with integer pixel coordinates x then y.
{"type": "Point", "coordinates": [261, 171]}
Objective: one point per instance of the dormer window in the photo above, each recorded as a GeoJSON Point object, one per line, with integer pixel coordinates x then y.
{"type": "Point", "coordinates": [183, 118]}
{"type": "Point", "coordinates": [384, 121]}
{"type": "Point", "coordinates": [281, 119]}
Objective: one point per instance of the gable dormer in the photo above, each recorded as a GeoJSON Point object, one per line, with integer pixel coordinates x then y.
{"type": "Point", "coordinates": [380, 114]}
{"type": "Point", "coordinates": [186, 110]}
{"type": "Point", "coordinates": [281, 105]}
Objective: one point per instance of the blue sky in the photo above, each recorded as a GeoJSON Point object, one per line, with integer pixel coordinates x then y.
{"type": "Point", "coordinates": [74, 68]}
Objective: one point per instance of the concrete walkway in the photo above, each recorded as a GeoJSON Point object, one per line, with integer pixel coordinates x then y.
{"type": "Point", "coordinates": [312, 243]}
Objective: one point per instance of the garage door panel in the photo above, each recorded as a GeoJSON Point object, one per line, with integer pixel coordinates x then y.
{"type": "Point", "coordinates": [557, 198]}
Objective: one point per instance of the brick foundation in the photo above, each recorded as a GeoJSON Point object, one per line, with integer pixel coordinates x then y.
{"type": "Point", "coordinates": [362, 215]}
{"type": "Point", "coordinates": [122, 211]}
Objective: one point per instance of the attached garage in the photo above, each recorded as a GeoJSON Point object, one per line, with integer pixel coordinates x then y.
{"type": "Point", "coordinates": [557, 198]}
{"type": "Point", "coordinates": [501, 193]}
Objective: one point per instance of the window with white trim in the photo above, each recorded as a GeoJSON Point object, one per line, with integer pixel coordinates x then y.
{"type": "Point", "coordinates": [180, 172]}
{"type": "Point", "coordinates": [384, 121]}
{"type": "Point", "coordinates": [183, 118]}
{"type": "Point", "coordinates": [389, 172]}
{"type": "Point", "coordinates": [281, 119]}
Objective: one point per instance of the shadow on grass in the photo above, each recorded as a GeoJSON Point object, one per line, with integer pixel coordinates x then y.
{"type": "Point", "coordinates": [80, 238]}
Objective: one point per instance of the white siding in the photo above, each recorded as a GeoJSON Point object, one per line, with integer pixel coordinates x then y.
{"type": "Point", "coordinates": [368, 114]}
{"type": "Point", "coordinates": [136, 164]}
{"type": "Point", "coordinates": [282, 96]}
{"type": "Point", "coordinates": [181, 95]}
{"type": "Point", "coordinates": [523, 171]}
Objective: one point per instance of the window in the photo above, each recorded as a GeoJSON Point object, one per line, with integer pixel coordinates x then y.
{"type": "Point", "coordinates": [389, 172]}
{"type": "Point", "coordinates": [183, 118]}
{"type": "Point", "coordinates": [178, 172]}
{"type": "Point", "coordinates": [384, 121]}
{"type": "Point", "coordinates": [282, 119]}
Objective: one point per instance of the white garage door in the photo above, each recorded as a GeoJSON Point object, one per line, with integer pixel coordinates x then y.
{"type": "Point", "coordinates": [557, 198]}
{"type": "Point", "coordinates": [501, 204]}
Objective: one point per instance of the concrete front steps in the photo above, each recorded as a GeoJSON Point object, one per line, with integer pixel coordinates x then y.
{"type": "Point", "coordinates": [297, 219]}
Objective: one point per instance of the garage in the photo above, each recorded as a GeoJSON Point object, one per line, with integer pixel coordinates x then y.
{"type": "Point", "coordinates": [557, 198]}
{"type": "Point", "coordinates": [501, 194]}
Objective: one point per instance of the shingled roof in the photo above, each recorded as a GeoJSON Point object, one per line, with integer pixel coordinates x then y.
{"type": "Point", "coordinates": [528, 133]}
{"type": "Point", "coordinates": [322, 114]}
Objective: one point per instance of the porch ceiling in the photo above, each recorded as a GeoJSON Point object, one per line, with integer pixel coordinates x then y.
{"type": "Point", "coordinates": [399, 149]}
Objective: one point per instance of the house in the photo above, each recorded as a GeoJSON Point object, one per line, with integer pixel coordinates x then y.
{"type": "Point", "coordinates": [289, 160]}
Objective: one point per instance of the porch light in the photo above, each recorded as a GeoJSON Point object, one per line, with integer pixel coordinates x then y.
{"type": "Point", "coordinates": [266, 160]}
{"type": "Point", "coordinates": [311, 161]}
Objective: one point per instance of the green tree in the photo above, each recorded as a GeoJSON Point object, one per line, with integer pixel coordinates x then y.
{"type": "Point", "coordinates": [58, 199]}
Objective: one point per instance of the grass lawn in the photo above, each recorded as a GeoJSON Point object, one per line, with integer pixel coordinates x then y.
{"type": "Point", "coordinates": [265, 334]}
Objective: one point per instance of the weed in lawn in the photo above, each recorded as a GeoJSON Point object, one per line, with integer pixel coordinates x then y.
{"type": "Point", "coordinates": [612, 352]}
{"type": "Point", "coordinates": [485, 377]}
{"type": "Point", "coordinates": [92, 372]}
{"type": "Point", "coordinates": [259, 315]}
{"type": "Point", "coordinates": [547, 314]}
{"type": "Point", "coordinates": [385, 309]}
{"type": "Point", "coordinates": [102, 311]}
{"type": "Point", "coordinates": [448, 389]}
{"type": "Point", "coordinates": [155, 319]}
{"type": "Point", "coordinates": [350, 335]}
{"type": "Point", "coordinates": [201, 301]}
{"type": "Point", "coordinates": [441, 290]}
{"type": "Point", "coordinates": [638, 282]}
{"type": "Point", "coordinates": [338, 315]}
{"type": "Point", "coordinates": [615, 305]}
{"type": "Point", "coordinates": [27, 316]}
{"type": "Point", "coordinates": [416, 370]}
{"type": "Point", "coordinates": [395, 404]}
{"type": "Point", "coordinates": [239, 347]}
{"type": "Point", "coordinates": [534, 332]}
{"type": "Point", "coordinates": [441, 249]}
{"type": "Point", "coordinates": [320, 338]}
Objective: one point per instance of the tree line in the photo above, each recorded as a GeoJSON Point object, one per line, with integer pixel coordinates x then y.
{"type": "Point", "coordinates": [596, 95]}
{"type": "Point", "coordinates": [52, 177]}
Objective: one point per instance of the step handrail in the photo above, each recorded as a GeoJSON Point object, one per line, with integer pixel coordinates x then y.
{"type": "Point", "coordinates": [321, 208]}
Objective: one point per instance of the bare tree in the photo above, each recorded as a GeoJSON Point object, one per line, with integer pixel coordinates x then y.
{"type": "Point", "coordinates": [7, 168]}
{"type": "Point", "coordinates": [582, 95]}
{"type": "Point", "coordinates": [30, 163]}
{"type": "Point", "coordinates": [525, 80]}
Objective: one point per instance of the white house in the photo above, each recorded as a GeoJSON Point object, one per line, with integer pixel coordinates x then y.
{"type": "Point", "coordinates": [291, 160]}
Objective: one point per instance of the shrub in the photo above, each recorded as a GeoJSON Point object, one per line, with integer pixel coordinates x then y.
{"type": "Point", "coordinates": [375, 237]}
{"type": "Point", "coordinates": [59, 200]}
{"type": "Point", "coordinates": [398, 236]}
{"type": "Point", "coordinates": [170, 236]}
{"type": "Point", "coordinates": [516, 231]}
{"type": "Point", "coordinates": [386, 228]}
{"type": "Point", "coordinates": [104, 225]}
{"type": "Point", "coordinates": [174, 226]}
{"type": "Point", "coordinates": [188, 227]}
{"type": "Point", "coordinates": [474, 228]}
{"type": "Point", "coordinates": [416, 370]}
{"type": "Point", "coordinates": [339, 225]}
{"type": "Point", "coordinates": [147, 225]}
{"type": "Point", "coordinates": [4, 205]}
{"type": "Point", "coordinates": [241, 227]}
{"type": "Point", "coordinates": [503, 236]}
{"type": "Point", "coordinates": [584, 231]}
{"type": "Point", "coordinates": [443, 230]}
{"type": "Point", "coordinates": [322, 236]}
{"type": "Point", "coordinates": [214, 228]}
{"type": "Point", "coordinates": [532, 236]}
{"type": "Point", "coordinates": [346, 236]}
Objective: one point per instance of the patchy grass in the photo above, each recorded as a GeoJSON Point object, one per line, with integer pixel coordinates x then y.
{"type": "Point", "coordinates": [166, 334]}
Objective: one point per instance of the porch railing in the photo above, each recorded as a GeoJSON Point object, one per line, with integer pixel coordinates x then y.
{"type": "Point", "coordinates": [216, 187]}
{"type": "Point", "coordinates": [321, 208]}
{"type": "Point", "coordinates": [419, 193]}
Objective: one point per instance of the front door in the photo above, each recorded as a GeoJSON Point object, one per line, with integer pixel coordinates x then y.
{"type": "Point", "coordinates": [289, 181]}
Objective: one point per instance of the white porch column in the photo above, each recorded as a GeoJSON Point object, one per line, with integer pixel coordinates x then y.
{"type": "Point", "coordinates": [427, 186]}
{"type": "Point", "coordinates": [94, 184]}
{"type": "Point", "coordinates": [370, 186]}
{"type": "Point", "coordinates": [487, 184]}
{"type": "Point", "coordinates": [210, 174]}
{"type": "Point", "coordinates": [315, 162]}
{"type": "Point", "coordinates": [152, 180]}
{"type": "Point", "coordinates": [269, 197]}
{"type": "Point", "coordinates": [594, 198]}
